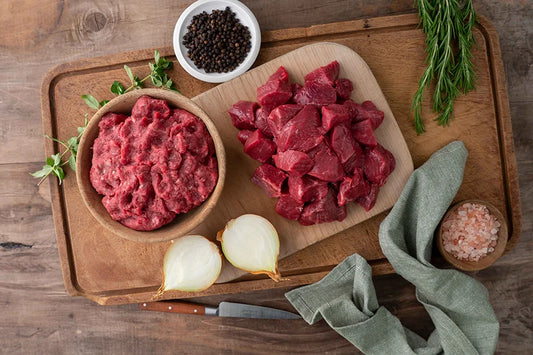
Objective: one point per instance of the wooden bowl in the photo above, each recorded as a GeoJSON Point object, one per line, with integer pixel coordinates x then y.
{"type": "Point", "coordinates": [183, 223]}
{"type": "Point", "coordinates": [485, 261]}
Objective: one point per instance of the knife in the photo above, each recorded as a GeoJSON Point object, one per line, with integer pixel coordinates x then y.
{"type": "Point", "coordinates": [224, 309]}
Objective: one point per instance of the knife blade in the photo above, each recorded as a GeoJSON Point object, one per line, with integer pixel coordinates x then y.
{"type": "Point", "coordinates": [224, 309]}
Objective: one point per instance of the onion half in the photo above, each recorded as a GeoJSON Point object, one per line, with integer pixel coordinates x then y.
{"type": "Point", "coordinates": [251, 243]}
{"type": "Point", "coordinates": [192, 263]}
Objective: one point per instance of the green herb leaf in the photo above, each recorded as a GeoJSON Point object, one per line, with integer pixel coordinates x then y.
{"type": "Point", "coordinates": [128, 71]}
{"type": "Point", "coordinates": [50, 161]}
{"type": "Point", "coordinates": [43, 172]}
{"type": "Point", "coordinates": [156, 57]}
{"type": "Point", "coordinates": [103, 102]}
{"type": "Point", "coordinates": [81, 130]}
{"type": "Point", "coordinates": [72, 162]}
{"type": "Point", "coordinates": [58, 171]}
{"type": "Point", "coordinates": [157, 80]}
{"type": "Point", "coordinates": [91, 101]}
{"type": "Point", "coordinates": [169, 84]}
{"type": "Point", "coordinates": [57, 159]}
{"type": "Point", "coordinates": [117, 88]}
{"type": "Point", "coordinates": [138, 82]}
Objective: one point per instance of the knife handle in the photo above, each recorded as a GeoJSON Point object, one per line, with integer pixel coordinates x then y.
{"type": "Point", "coordinates": [173, 307]}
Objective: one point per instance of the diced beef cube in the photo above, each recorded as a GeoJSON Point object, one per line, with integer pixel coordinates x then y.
{"type": "Point", "coordinates": [323, 210]}
{"type": "Point", "coordinates": [270, 179]}
{"type": "Point", "coordinates": [379, 163]}
{"type": "Point", "coordinates": [261, 121]}
{"type": "Point", "coordinates": [294, 162]}
{"type": "Point", "coordinates": [325, 75]}
{"type": "Point", "coordinates": [355, 161]}
{"type": "Point", "coordinates": [369, 111]}
{"type": "Point", "coordinates": [243, 114]}
{"type": "Point", "coordinates": [353, 110]}
{"type": "Point", "coordinates": [306, 188]}
{"type": "Point", "coordinates": [352, 187]}
{"type": "Point", "coordinates": [316, 93]}
{"type": "Point", "coordinates": [276, 91]}
{"type": "Point", "coordinates": [289, 207]}
{"type": "Point", "coordinates": [368, 201]}
{"type": "Point", "coordinates": [149, 107]}
{"type": "Point", "coordinates": [295, 89]}
{"type": "Point", "coordinates": [243, 135]}
{"type": "Point", "coordinates": [302, 132]}
{"type": "Point", "coordinates": [363, 133]}
{"type": "Point", "coordinates": [344, 88]}
{"type": "Point", "coordinates": [342, 143]}
{"type": "Point", "coordinates": [259, 147]}
{"type": "Point", "coordinates": [333, 115]}
{"type": "Point", "coordinates": [327, 166]}
{"type": "Point", "coordinates": [279, 117]}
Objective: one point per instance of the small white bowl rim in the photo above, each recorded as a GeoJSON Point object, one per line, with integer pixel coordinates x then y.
{"type": "Point", "coordinates": [250, 21]}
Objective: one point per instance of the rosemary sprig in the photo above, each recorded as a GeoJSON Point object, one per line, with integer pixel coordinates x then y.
{"type": "Point", "coordinates": [55, 163]}
{"type": "Point", "coordinates": [448, 25]}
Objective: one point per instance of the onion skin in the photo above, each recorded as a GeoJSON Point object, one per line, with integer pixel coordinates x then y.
{"type": "Point", "coordinates": [273, 274]}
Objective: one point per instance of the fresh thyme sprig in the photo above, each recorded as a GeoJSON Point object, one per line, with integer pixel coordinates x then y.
{"type": "Point", "coordinates": [55, 163]}
{"type": "Point", "coordinates": [448, 25]}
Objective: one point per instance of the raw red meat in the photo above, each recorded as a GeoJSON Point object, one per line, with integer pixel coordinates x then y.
{"type": "Point", "coordinates": [301, 132]}
{"type": "Point", "coordinates": [323, 210]}
{"type": "Point", "coordinates": [279, 117]}
{"type": "Point", "coordinates": [148, 107]}
{"type": "Point", "coordinates": [259, 147]}
{"type": "Point", "coordinates": [276, 91]}
{"type": "Point", "coordinates": [344, 88]}
{"type": "Point", "coordinates": [333, 115]}
{"type": "Point", "coordinates": [319, 134]}
{"type": "Point", "coordinates": [306, 188]}
{"type": "Point", "coordinates": [289, 207]}
{"type": "Point", "coordinates": [152, 165]}
{"type": "Point", "coordinates": [243, 135]}
{"type": "Point", "coordinates": [369, 111]}
{"type": "Point", "coordinates": [261, 121]}
{"type": "Point", "coordinates": [270, 179]}
{"type": "Point", "coordinates": [355, 161]}
{"type": "Point", "coordinates": [243, 114]}
{"type": "Point", "coordinates": [363, 133]}
{"type": "Point", "coordinates": [315, 93]}
{"type": "Point", "coordinates": [327, 166]}
{"type": "Point", "coordinates": [353, 187]}
{"type": "Point", "coordinates": [368, 201]}
{"type": "Point", "coordinates": [353, 110]}
{"type": "Point", "coordinates": [294, 162]}
{"type": "Point", "coordinates": [325, 75]}
{"type": "Point", "coordinates": [342, 143]}
{"type": "Point", "coordinates": [379, 163]}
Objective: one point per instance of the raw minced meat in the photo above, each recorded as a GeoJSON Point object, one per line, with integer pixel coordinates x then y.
{"type": "Point", "coordinates": [155, 164]}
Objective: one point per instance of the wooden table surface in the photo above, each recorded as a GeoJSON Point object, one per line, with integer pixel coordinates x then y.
{"type": "Point", "coordinates": [37, 316]}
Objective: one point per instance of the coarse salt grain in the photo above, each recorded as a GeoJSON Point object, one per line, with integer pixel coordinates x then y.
{"type": "Point", "coordinates": [470, 232]}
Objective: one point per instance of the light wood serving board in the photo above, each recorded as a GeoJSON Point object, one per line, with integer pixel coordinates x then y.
{"type": "Point", "coordinates": [111, 270]}
{"type": "Point", "coordinates": [240, 196]}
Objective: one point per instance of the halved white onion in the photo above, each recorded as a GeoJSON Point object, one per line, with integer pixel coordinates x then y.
{"type": "Point", "coordinates": [251, 243]}
{"type": "Point", "coordinates": [192, 263]}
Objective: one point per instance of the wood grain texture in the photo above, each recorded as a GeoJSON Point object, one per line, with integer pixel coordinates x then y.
{"type": "Point", "coordinates": [101, 275]}
{"type": "Point", "coordinates": [38, 317]}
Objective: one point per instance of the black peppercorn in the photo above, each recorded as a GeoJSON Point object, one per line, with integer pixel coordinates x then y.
{"type": "Point", "coordinates": [217, 42]}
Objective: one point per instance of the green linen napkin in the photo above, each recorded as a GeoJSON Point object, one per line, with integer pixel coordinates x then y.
{"type": "Point", "coordinates": [457, 304]}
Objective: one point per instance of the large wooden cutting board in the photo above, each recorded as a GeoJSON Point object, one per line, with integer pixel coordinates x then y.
{"type": "Point", "coordinates": [111, 270]}
{"type": "Point", "coordinates": [240, 196]}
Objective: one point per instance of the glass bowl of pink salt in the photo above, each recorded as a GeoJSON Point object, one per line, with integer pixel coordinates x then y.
{"type": "Point", "coordinates": [472, 235]}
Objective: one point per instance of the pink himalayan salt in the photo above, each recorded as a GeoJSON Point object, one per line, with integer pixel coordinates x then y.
{"type": "Point", "coordinates": [470, 232]}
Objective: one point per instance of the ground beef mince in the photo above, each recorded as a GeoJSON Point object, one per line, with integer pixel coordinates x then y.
{"type": "Point", "coordinates": [317, 146]}
{"type": "Point", "coordinates": [155, 164]}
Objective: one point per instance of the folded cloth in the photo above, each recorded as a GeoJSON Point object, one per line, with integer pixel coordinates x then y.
{"type": "Point", "coordinates": [457, 304]}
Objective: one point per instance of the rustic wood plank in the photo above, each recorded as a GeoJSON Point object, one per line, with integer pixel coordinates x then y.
{"type": "Point", "coordinates": [38, 317]}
